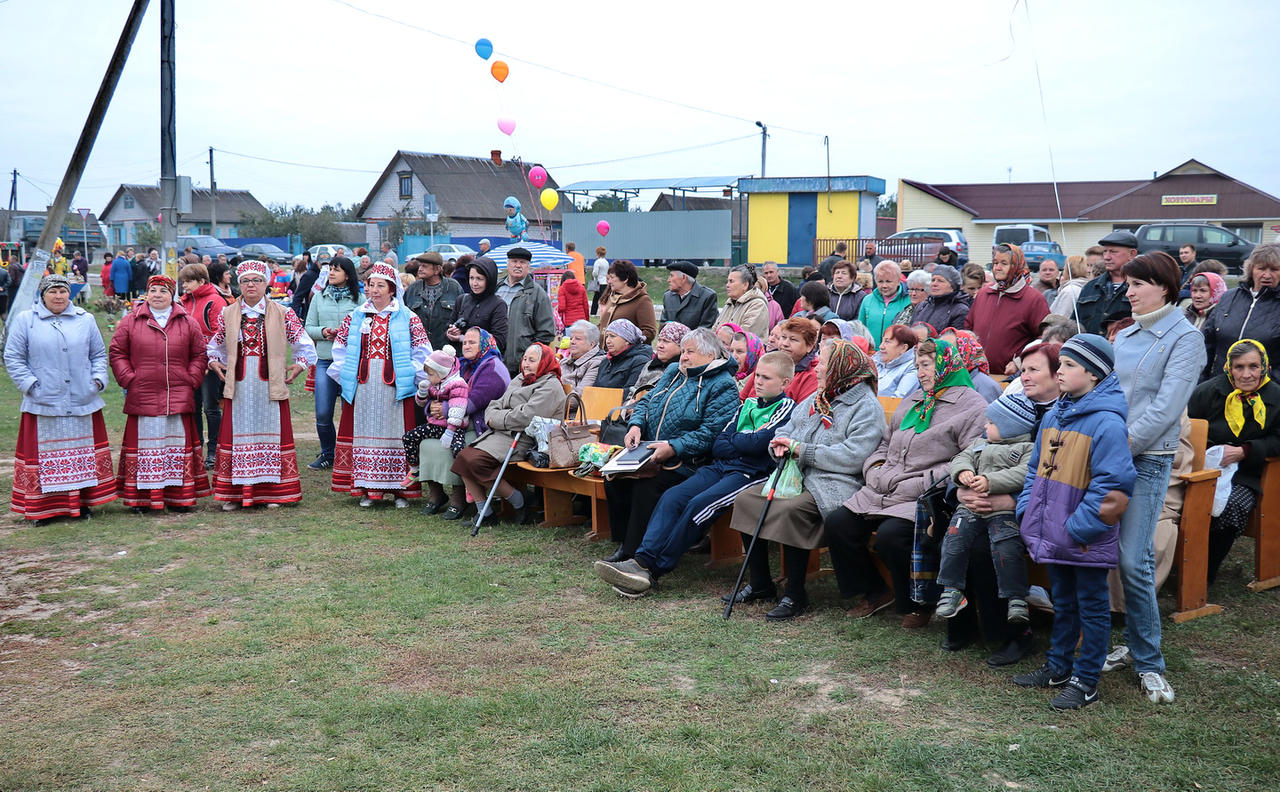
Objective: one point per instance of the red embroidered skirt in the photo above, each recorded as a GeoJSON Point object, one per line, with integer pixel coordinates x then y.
{"type": "Point", "coordinates": [161, 463]}
{"type": "Point", "coordinates": [61, 466]}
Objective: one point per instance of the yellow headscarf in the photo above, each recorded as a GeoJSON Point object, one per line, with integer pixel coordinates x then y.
{"type": "Point", "coordinates": [1238, 399]}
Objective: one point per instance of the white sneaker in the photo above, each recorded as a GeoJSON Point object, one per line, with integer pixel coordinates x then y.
{"type": "Point", "coordinates": [1117, 658]}
{"type": "Point", "coordinates": [366, 502]}
{"type": "Point", "coordinates": [1156, 688]}
{"type": "Point", "coordinates": [401, 503]}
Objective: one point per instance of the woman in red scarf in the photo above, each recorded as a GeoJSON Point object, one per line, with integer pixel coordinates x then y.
{"type": "Point", "coordinates": [537, 392]}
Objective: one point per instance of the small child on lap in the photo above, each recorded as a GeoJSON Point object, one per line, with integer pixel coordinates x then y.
{"type": "Point", "coordinates": [445, 386]}
{"type": "Point", "coordinates": [996, 465]}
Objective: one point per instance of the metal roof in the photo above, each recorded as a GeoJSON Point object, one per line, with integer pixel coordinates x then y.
{"type": "Point", "coordinates": [686, 183]}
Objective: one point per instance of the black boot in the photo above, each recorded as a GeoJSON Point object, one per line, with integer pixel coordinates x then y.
{"type": "Point", "coordinates": [618, 555]}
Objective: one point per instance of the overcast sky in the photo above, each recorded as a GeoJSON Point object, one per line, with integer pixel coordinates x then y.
{"type": "Point", "coordinates": [939, 91]}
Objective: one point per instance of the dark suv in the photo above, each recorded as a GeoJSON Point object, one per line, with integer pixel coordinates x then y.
{"type": "Point", "coordinates": [1211, 241]}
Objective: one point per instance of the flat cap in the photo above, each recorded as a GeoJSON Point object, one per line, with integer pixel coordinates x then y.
{"type": "Point", "coordinates": [1120, 239]}
{"type": "Point", "coordinates": [687, 267]}
{"type": "Point", "coordinates": [519, 253]}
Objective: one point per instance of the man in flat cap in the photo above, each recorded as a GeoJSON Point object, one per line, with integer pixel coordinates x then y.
{"type": "Point", "coordinates": [432, 297]}
{"type": "Point", "coordinates": [1105, 298]}
{"type": "Point", "coordinates": [686, 301]}
{"type": "Point", "coordinates": [529, 314]}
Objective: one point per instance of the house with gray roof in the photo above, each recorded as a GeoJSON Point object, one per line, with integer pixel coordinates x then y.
{"type": "Point", "coordinates": [133, 205]}
{"type": "Point", "coordinates": [468, 192]}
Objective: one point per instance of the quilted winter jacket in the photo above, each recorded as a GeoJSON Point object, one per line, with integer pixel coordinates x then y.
{"type": "Point", "coordinates": [688, 408]}
{"type": "Point", "coordinates": [942, 312]}
{"type": "Point", "coordinates": [1079, 480]}
{"type": "Point", "coordinates": [1241, 314]}
{"type": "Point", "coordinates": [160, 369]}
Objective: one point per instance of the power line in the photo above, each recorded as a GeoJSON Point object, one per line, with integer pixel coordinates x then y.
{"type": "Point", "coordinates": [295, 164]}
{"type": "Point", "coordinates": [571, 75]}
{"type": "Point", "coordinates": [656, 153]}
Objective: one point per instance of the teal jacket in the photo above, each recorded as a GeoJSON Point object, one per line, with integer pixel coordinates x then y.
{"type": "Point", "coordinates": [326, 312]}
{"type": "Point", "coordinates": [877, 314]}
{"type": "Point", "coordinates": [689, 408]}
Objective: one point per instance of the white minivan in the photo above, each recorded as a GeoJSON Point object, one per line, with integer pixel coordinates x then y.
{"type": "Point", "coordinates": [1018, 233]}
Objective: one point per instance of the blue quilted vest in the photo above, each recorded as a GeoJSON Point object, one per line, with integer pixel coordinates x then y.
{"type": "Point", "coordinates": [401, 358]}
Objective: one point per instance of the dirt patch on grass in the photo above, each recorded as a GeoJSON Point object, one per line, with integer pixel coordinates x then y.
{"type": "Point", "coordinates": [833, 690]}
{"type": "Point", "coordinates": [26, 580]}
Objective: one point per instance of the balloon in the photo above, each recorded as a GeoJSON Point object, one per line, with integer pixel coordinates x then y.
{"type": "Point", "coordinates": [507, 125]}
{"type": "Point", "coordinates": [538, 176]}
{"type": "Point", "coordinates": [549, 198]}
{"type": "Point", "coordinates": [484, 48]}
{"type": "Point", "coordinates": [499, 71]}
{"type": "Point", "coordinates": [602, 228]}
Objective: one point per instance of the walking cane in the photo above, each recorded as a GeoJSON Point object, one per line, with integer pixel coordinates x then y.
{"type": "Point", "coordinates": [768, 500]}
{"type": "Point", "coordinates": [485, 509]}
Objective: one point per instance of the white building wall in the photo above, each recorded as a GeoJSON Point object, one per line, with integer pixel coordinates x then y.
{"type": "Point", "coordinates": [386, 199]}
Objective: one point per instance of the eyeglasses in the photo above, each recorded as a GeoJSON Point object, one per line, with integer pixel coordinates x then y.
{"type": "Point", "coordinates": [915, 288]}
{"type": "Point", "coordinates": [251, 280]}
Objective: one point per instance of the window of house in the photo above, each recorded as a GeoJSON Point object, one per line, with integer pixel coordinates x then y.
{"type": "Point", "coordinates": [406, 185]}
{"type": "Point", "coordinates": [127, 201]}
{"type": "Point", "coordinates": [1250, 231]}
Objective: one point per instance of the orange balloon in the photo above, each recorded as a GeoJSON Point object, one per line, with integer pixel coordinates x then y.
{"type": "Point", "coordinates": [499, 71]}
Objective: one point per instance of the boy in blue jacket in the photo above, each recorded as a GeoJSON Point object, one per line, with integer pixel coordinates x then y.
{"type": "Point", "coordinates": [1079, 480]}
{"type": "Point", "coordinates": [684, 512]}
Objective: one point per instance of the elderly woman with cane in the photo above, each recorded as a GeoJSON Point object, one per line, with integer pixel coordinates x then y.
{"type": "Point", "coordinates": [538, 391]}
{"type": "Point", "coordinates": [55, 355]}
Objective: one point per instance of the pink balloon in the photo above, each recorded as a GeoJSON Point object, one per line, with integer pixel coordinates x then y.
{"type": "Point", "coordinates": [602, 228]}
{"type": "Point", "coordinates": [538, 176]}
{"type": "Point", "coordinates": [507, 125]}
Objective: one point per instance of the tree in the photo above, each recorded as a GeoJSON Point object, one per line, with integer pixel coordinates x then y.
{"type": "Point", "coordinates": [609, 203]}
{"type": "Point", "coordinates": [148, 235]}
{"type": "Point", "coordinates": [887, 206]}
{"type": "Point", "coordinates": [315, 226]}
{"type": "Point", "coordinates": [407, 220]}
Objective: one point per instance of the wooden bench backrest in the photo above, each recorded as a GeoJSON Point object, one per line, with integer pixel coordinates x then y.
{"type": "Point", "coordinates": [599, 401]}
{"type": "Point", "coordinates": [1199, 442]}
{"type": "Point", "coordinates": [889, 404]}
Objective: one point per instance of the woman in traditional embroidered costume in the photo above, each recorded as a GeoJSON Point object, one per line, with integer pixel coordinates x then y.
{"type": "Point", "coordinates": [378, 358]}
{"type": "Point", "coordinates": [256, 461]}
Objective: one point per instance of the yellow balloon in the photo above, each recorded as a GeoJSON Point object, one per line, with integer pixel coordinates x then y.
{"type": "Point", "coordinates": [550, 198]}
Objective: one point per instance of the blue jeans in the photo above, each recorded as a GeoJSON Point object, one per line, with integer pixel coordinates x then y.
{"type": "Point", "coordinates": [327, 392]}
{"type": "Point", "coordinates": [683, 513]}
{"type": "Point", "coordinates": [1138, 561]}
{"type": "Point", "coordinates": [1081, 610]}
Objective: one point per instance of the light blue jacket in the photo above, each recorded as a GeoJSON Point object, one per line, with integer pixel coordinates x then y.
{"type": "Point", "coordinates": [58, 362]}
{"type": "Point", "coordinates": [1158, 369]}
{"type": "Point", "coordinates": [896, 379]}
{"type": "Point", "coordinates": [324, 312]}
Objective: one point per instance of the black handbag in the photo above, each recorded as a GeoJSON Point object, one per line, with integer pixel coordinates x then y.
{"type": "Point", "coordinates": [613, 429]}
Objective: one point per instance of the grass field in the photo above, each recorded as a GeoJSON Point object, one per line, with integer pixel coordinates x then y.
{"type": "Point", "coordinates": [328, 647]}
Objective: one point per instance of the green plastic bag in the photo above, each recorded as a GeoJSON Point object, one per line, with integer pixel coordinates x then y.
{"type": "Point", "coordinates": [790, 481]}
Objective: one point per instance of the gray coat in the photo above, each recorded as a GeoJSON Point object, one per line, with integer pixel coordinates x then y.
{"type": "Point", "coordinates": [581, 373]}
{"type": "Point", "coordinates": [1158, 369]}
{"type": "Point", "coordinates": [512, 411]}
{"type": "Point", "coordinates": [529, 319]}
{"type": "Point", "coordinates": [58, 362]}
{"type": "Point", "coordinates": [831, 458]}
{"type": "Point", "coordinates": [902, 468]}
{"type": "Point", "coordinates": [696, 309]}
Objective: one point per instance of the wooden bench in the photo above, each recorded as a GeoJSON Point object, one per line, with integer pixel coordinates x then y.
{"type": "Point", "coordinates": [1191, 557]}
{"type": "Point", "coordinates": [1264, 527]}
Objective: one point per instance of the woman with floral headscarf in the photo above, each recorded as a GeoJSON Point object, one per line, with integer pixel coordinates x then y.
{"type": "Point", "coordinates": [929, 428]}
{"type": "Point", "coordinates": [1007, 312]}
{"type": "Point", "coordinates": [536, 391]}
{"type": "Point", "coordinates": [1206, 289]}
{"type": "Point", "coordinates": [975, 362]}
{"type": "Point", "coordinates": [830, 433]}
{"type": "Point", "coordinates": [55, 355]}
{"type": "Point", "coordinates": [1242, 406]}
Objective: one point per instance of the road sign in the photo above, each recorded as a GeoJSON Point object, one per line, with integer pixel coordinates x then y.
{"type": "Point", "coordinates": [432, 217]}
{"type": "Point", "coordinates": [84, 214]}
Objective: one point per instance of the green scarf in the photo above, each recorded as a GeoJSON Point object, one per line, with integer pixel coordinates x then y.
{"type": "Point", "coordinates": [755, 412]}
{"type": "Point", "coordinates": [950, 372]}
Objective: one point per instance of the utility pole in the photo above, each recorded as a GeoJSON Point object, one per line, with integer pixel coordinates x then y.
{"type": "Point", "coordinates": [13, 192]}
{"type": "Point", "coordinates": [764, 141]}
{"type": "Point", "coordinates": [79, 158]}
{"type": "Point", "coordinates": [213, 199]}
{"type": "Point", "coordinates": [168, 137]}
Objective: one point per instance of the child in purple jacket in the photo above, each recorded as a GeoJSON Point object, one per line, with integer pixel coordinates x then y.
{"type": "Point", "coordinates": [1079, 480]}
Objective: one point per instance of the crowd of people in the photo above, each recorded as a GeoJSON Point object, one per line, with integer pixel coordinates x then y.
{"type": "Point", "coordinates": [1049, 432]}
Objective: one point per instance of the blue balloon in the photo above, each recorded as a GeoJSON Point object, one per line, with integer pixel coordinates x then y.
{"type": "Point", "coordinates": [484, 48]}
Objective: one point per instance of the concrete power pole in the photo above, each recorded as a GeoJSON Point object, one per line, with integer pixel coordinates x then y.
{"type": "Point", "coordinates": [213, 198]}
{"type": "Point", "coordinates": [79, 158]}
{"type": "Point", "coordinates": [168, 137]}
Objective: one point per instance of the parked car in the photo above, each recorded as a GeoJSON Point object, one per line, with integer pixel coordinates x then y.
{"type": "Point", "coordinates": [1018, 234]}
{"type": "Point", "coordinates": [450, 251]}
{"type": "Point", "coordinates": [953, 238]}
{"type": "Point", "coordinates": [1036, 252]}
{"type": "Point", "coordinates": [919, 247]}
{"type": "Point", "coordinates": [1211, 241]}
{"type": "Point", "coordinates": [203, 245]}
{"type": "Point", "coordinates": [255, 249]}
{"type": "Point", "coordinates": [328, 250]}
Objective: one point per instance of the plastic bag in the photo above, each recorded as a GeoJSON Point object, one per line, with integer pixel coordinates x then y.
{"type": "Point", "coordinates": [538, 429]}
{"type": "Point", "coordinates": [790, 481]}
{"type": "Point", "coordinates": [1222, 490]}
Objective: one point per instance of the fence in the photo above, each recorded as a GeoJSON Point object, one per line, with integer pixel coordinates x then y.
{"type": "Point", "coordinates": [918, 251]}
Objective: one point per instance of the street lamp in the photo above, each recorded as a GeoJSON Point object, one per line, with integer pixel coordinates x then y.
{"type": "Point", "coordinates": [764, 138]}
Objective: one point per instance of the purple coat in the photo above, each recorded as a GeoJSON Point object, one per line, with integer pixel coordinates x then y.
{"type": "Point", "coordinates": [488, 382]}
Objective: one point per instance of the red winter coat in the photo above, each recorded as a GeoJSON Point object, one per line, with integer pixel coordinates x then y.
{"type": "Point", "coordinates": [205, 305]}
{"type": "Point", "coordinates": [106, 279]}
{"type": "Point", "coordinates": [572, 302]}
{"type": "Point", "coordinates": [1005, 323]}
{"type": "Point", "coordinates": [160, 368]}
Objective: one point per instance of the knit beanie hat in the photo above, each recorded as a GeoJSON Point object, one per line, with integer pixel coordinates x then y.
{"type": "Point", "coordinates": [1013, 414]}
{"type": "Point", "coordinates": [950, 273]}
{"type": "Point", "coordinates": [1093, 352]}
{"type": "Point", "coordinates": [444, 361]}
